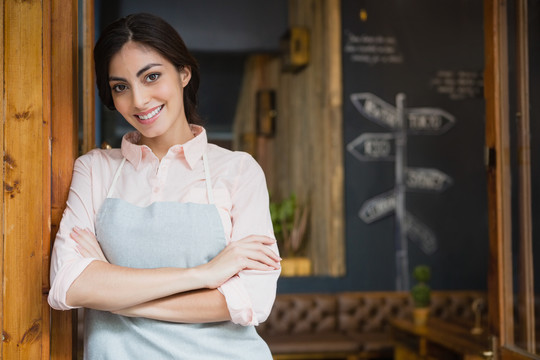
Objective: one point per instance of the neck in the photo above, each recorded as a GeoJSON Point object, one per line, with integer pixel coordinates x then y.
{"type": "Point", "coordinates": [160, 145]}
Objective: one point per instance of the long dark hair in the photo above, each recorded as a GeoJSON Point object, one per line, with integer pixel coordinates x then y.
{"type": "Point", "coordinates": [155, 33]}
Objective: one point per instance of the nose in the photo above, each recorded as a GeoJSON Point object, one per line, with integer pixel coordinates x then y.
{"type": "Point", "coordinates": [140, 97]}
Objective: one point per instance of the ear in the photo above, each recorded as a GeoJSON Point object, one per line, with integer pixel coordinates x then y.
{"type": "Point", "coordinates": [185, 75]}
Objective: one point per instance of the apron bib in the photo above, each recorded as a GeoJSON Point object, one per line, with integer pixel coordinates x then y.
{"type": "Point", "coordinates": [163, 234]}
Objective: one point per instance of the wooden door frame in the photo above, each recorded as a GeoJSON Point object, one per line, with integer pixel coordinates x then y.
{"type": "Point", "coordinates": [39, 140]}
{"type": "Point", "coordinates": [498, 150]}
{"type": "Point", "coordinates": [498, 170]}
{"type": "Point", "coordinates": [64, 148]}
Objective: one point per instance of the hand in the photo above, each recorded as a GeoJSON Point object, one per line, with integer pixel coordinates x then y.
{"type": "Point", "coordinates": [87, 244]}
{"type": "Point", "coordinates": [249, 253]}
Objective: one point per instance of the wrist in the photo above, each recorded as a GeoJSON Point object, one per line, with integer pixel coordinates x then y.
{"type": "Point", "coordinates": [198, 276]}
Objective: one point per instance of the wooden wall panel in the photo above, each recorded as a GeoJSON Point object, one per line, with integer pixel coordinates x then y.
{"type": "Point", "coordinates": [88, 80]}
{"type": "Point", "coordinates": [306, 154]}
{"type": "Point", "coordinates": [2, 109]}
{"type": "Point", "coordinates": [38, 138]}
{"type": "Point", "coordinates": [46, 180]}
{"type": "Point", "coordinates": [64, 113]}
{"type": "Point", "coordinates": [23, 205]}
{"type": "Point", "coordinates": [261, 72]}
{"type": "Point", "coordinates": [499, 177]}
{"type": "Point", "coordinates": [312, 120]}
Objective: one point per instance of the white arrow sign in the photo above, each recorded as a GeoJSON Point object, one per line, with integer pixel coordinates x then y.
{"type": "Point", "coordinates": [429, 121]}
{"type": "Point", "coordinates": [385, 204]}
{"type": "Point", "coordinates": [393, 146]}
{"type": "Point", "coordinates": [375, 109]}
{"type": "Point", "coordinates": [378, 207]}
{"type": "Point", "coordinates": [427, 179]}
{"type": "Point", "coordinates": [373, 146]}
{"type": "Point", "coordinates": [419, 233]}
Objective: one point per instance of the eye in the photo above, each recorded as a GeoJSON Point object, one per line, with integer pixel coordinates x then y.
{"type": "Point", "coordinates": [118, 88]}
{"type": "Point", "coordinates": [152, 77]}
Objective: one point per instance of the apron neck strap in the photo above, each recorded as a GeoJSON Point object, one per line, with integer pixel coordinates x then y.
{"type": "Point", "coordinates": [116, 175]}
{"type": "Point", "coordinates": [209, 190]}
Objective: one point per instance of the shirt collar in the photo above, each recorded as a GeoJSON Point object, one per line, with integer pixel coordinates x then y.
{"type": "Point", "coordinates": [196, 147]}
{"type": "Point", "coordinates": [193, 149]}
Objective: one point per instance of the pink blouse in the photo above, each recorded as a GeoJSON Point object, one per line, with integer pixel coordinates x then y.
{"type": "Point", "coordinates": [240, 194]}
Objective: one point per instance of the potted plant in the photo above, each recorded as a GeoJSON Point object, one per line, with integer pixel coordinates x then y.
{"type": "Point", "coordinates": [289, 220]}
{"type": "Point", "coordinates": [421, 294]}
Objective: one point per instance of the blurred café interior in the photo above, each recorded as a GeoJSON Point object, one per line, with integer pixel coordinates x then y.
{"type": "Point", "coordinates": [400, 148]}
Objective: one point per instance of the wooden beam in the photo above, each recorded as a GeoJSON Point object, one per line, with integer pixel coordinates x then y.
{"type": "Point", "coordinates": [46, 166]}
{"type": "Point", "coordinates": [3, 109]}
{"type": "Point", "coordinates": [333, 140]}
{"type": "Point", "coordinates": [23, 207]}
{"type": "Point", "coordinates": [499, 176]}
{"type": "Point", "coordinates": [64, 114]}
{"type": "Point", "coordinates": [526, 271]}
{"type": "Point", "coordinates": [88, 82]}
{"type": "Point", "coordinates": [314, 132]}
{"type": "Point", "coordinates": [305, 156]}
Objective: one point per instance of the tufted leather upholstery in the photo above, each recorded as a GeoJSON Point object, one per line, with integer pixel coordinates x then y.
{"type": "Point", "coordinates": [369, 312]}
{"type": "Point", "coordinates": [302, 314]}
{"type": "Point", "coordinates": [351, 322]}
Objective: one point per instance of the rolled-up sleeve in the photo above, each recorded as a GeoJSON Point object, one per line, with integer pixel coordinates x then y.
{"type": "Point", "coordinates": [250, 294]}
{"type": "Point", "coordinates": [66, 262]}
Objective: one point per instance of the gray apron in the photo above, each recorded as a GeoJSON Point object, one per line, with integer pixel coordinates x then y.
{"type": "Point", "coordinates": [163, 234]}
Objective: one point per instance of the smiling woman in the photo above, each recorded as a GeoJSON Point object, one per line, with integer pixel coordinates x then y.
{"type": "Point", "coordinates": [147, 87]}
{"type": "Point", "coordinates": [167, 241]}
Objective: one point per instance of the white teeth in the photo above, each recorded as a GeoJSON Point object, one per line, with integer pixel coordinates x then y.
{"type": "Point", "coordinates": [150, 115]}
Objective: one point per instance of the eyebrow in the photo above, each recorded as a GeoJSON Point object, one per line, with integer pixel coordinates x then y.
{"type": "Point", "coordinates": [139, 73]}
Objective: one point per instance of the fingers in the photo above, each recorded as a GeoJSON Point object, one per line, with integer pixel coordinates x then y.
{"type": "Point", "coordinates": [87, 244]}
{"type": "Point", "coordinates": [265, 240]}
{"type": "Point", "coordinates": [85, 238]}
{"type": "Point", "coordinates": [257, 245]}
{"type": "Point", "coordinates": [83, 251]}
{"type": "Point", "coordinates": [256, 265]}
{"type": "Point", "coordinates": [263, 259]}
{"type": "Point", "coordinates": [245, 253]}
{"type": "Point", "coordinates": [271, 254]}
{"type": "Point", "coordinates": [245, 257]}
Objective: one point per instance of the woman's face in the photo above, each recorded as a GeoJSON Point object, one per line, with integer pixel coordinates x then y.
{"type": "Point", "coordinates": [147, 90]}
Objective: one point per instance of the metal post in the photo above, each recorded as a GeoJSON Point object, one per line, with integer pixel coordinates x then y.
{"type": "Point", "coordinates": [402, 256]}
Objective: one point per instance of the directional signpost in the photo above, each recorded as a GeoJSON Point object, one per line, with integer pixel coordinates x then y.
{"type": "Point", "coordinates": [392, 146]}
{"type": "Point", "coordinates": [373, 146]}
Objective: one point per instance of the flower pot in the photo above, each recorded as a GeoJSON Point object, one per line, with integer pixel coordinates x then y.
{"type": "Point", "coordinates": [296, 266]}
{"type": "Point", "coordinates": [420, 316]}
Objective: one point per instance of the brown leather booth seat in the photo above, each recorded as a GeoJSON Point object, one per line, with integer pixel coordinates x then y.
{"type": "Point", "coordinates": [350, 325]}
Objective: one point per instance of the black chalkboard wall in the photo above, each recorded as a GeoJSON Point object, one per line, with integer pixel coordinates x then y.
{"type": "Point", "coordinates": [432, 52]}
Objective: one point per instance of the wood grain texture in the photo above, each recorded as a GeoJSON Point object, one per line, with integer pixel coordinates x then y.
{"type": "Point", "coordinates": [23, 205]}
{"type": "Point", "coordinates": [64, 113]}
{"type": "Point", "coordinates": [88, 81]}
{"type": "Point", "coordinates": [313, 121]}
{"type": "Point", "coordinates": [46, 166]}
{"type": "Point", "coordinates": [305, 157]}
{"type": "Point", "coordinates": [499, 190]}
{"type": "Point", "coordinates": [526, 317]}
{"type": "Point", "coordinates": [2, 108]}
{"type": "Point", "coordinates": [39, 52]}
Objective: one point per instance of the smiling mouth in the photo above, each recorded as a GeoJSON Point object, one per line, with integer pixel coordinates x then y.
{"type": "Point", "coordinates": [150, 114]}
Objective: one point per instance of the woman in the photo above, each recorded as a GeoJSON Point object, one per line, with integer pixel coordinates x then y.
{"type": "Point", "coordinates": [185, 262]}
